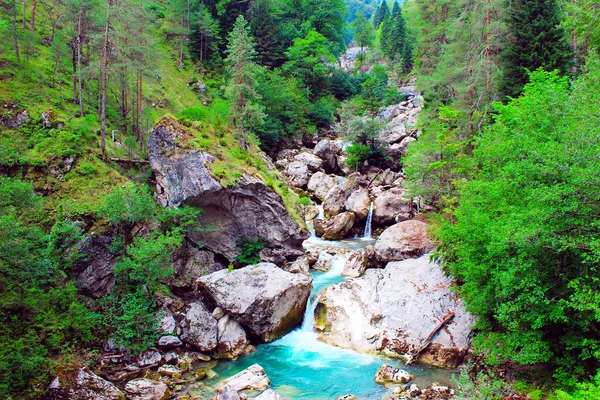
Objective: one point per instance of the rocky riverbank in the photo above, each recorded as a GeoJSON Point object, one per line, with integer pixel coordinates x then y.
{"type": "Point", "coordinates": [394, 301]}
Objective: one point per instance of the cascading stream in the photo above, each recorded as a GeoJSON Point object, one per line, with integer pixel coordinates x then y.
{"type": "Point", "coordinates": [300, 366]}
{"type": "Point", "coordinates": [367, 234]}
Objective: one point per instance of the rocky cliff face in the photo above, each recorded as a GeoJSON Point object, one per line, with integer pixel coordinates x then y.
{"type": "Point", "coordinates": [247, 210]}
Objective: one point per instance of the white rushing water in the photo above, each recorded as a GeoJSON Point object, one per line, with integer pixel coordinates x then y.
{"type": "Point", "coordinates": [311, 223]}
{"type": "Point", "coordinates": [367, 234]}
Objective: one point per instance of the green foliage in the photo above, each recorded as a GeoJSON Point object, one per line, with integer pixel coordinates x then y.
{"type": "Point", "coordinates": [310, 60]}
{"type": "Point", "coordinates": [381, 14]}
{"type": "Point", "coordinates": [344, 86]}
{"type": "Point", "coordinates": [439, 160]}
{"type": "Point", "coordinates": [538, 41]}
{"type": "Point", "coordinates": [130, 313]}
{"type": "Point", "coordinates": [583, 391]}
{"type": "Point", "coordinates": [285, 105]}
{"type": "Point", "coordinates": [480, 387]}
{"type": "Point", "coordinates": [525, 242]}
{"type": "Point", "coordinates": [364, 34]}
{"type": "Point", "coordinates": [357, 155]}
{"type": "Point", "coordinates": [127, 206]}
{"type": "Point", "coordinates": [249, 250]}
{"type": "Point", "coordinates": [246, 113]}
{"type": "Point", "coordinates": [40, 314]}
{"type": "Point", "coordinates": [321, 113]}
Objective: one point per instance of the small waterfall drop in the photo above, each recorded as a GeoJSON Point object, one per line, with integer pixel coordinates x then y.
{"type": "Point", "coordinates": [367, 234]}
{"type": "Point", "coordinates": [320, 282]}
{"type": "Point", "coordinates": [311, 223]}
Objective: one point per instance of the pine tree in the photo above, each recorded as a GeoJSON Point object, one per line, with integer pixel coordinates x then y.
{"type": "Point", "coordinates": [241, 68]}
{"type": "Point", "coordinates": [537, 40]}
{"type": "Point", "coordinates": [382, 13]}
{"type": "Point", "coordinates": [364, 34]}
{"type": "Point", "coordinates": [393, 36]}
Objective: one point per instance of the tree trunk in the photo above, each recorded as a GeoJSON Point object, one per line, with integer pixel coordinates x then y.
{"type": "Point", "coordinates": [488, 44]}
{"type": "Point", "coordinates": [74, 65]}
{"type": "Point", "coordinates": [79, 77]}
{"type": "Point", "coordinates": [32, 27]}
{"type": "Point", "coordinates": [24, 20]}
{"type": "Point", "coordinates": [14, 31]}
{"type": "Point", "coordinates": [104, 83]}
{"type": "Point", "coordinates": [139, 111]}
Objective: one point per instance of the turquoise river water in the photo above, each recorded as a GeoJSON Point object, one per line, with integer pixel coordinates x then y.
{"type": "Point", "coordinates": [301, 367]}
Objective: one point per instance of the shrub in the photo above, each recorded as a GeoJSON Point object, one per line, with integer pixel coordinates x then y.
{"type": "Point", "coordinates": [128, 205]}
{"type": "Point", "coordinates": [249, 250]}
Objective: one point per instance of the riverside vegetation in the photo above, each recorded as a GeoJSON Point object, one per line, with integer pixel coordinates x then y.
{"type": "Point", "coordinates": [503, 161]}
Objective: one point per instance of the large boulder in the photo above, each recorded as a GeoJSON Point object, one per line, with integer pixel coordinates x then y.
{"type": "Point", "coordinates": [247, 210]}
{"type": "Point", "coordinates": [320, 184]}
{"type": "Point", "coordinates": [394, 135]}
{"type": "Point", "coordinates": [359, 203]}
{"type": "Point", "coordinates": [252, 378]}
{"type": "Point", "coordinates": [82, 384]}
{"type": "Point", "coordinates": [337, 227]}
{"type": "Point", "coordinates": [266, 300]}
{"type": "Point", "coordinates": [146, 389]}
{"type": "Point", "coordinates": [391, 205]}
{"type": "Point", "coordinates": [327, 151]}
{"type": "Point", "coordinates": [94, 270]}
{"type": "Point", "coordinates": [312, 162]}
{"type": "Point", "coordinates": [14, 119]}
{"type": "Point", "coordinates": [231, 338]}
{"type": "Point", "coordinates": [297, 174]}
{"type": "Point", "coordinates": [335, 200]}
{"type": "Point", "coordinates": [199, 327]}
{"type": "Point", "coordinates": [403, 240]}
{"type": "Point", "coordinates": [269, 394]}
{"type": "Point", "coordinates": [394, 310]}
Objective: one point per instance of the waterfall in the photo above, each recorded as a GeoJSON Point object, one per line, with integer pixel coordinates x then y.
{"type": "Point", "coordinates": [311, 223]}
{"type": "Point", "coordinates": [320, 282]}
{"type": "Point", "coordinates": [367, 234]}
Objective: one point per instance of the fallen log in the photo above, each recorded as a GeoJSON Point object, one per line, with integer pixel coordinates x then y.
{"type": "Point", "coordinates": [447, 318]}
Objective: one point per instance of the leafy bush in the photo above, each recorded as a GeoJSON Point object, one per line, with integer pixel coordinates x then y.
{"type": "Point", "coordinates": [357, 155]}
{"type": "Point", "coordinates": [86, 168]}
{"type": "Point", "coordinates": [480, 387]}
{"type": "Point", "coordinates": [322, 111]}
{"type": "Point", "coordinates": [249, 250]}
{"type": "Point", "coordinates": [128, 205]}
{"type": "Point", "coordinates": [524, 240]}
{"type": "Point", "coordinates": [583, 391]}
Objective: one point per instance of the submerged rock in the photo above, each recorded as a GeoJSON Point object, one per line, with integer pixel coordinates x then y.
{"type": "Point", "coordinates": [403, 240]}
{"type": "Point", "coordinates": [388, 374]}
{"type": "Point", "coordinates": [252, 378]}
{"type": "Point", "coordinates": [269, 394]}
{"type": "Point", "coordinates": [82, 385]}
{"type": "Point", "coordinates": [394, 310]}
{"type": "Point", "coordinates": [266, 300]}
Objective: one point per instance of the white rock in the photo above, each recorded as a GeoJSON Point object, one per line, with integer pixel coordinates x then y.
{"type": "Point", "coordinates": [252, 378]}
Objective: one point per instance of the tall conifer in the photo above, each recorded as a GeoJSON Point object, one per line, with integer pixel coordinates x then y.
{"type": "Point", "coordinates": [537, 40]}
{"type": "Point", "coordinates": [382, 13]}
